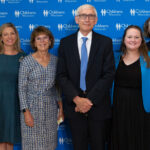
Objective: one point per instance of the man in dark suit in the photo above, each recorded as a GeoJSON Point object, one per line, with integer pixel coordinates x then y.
{"type": "Point", "coordinates": [86, 86]}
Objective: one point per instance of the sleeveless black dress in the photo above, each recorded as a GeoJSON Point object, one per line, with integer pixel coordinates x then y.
{"type": "Point", "coordinates": [128, 111]}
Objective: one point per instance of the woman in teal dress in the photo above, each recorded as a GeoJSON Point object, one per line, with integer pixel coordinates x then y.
{"type": "Point", "coordinates": [10, 57]}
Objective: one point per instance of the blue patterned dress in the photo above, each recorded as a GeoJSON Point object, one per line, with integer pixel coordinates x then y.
{"type": "Point", "coordinates": [38, 93]}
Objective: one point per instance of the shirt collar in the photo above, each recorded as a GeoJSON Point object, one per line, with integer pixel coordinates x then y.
{"type": "Point", "coordinates": [89, 36]}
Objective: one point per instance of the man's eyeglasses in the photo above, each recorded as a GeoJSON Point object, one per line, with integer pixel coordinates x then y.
{"type": "Point", "coordinates": [90, 16]}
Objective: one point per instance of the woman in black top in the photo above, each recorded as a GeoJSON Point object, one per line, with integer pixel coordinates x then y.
{"type": "Point", "coordinates": [131, 124]}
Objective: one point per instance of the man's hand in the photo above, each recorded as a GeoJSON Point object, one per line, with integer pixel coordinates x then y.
{"type": "Point", "coordinates": [83, 105]}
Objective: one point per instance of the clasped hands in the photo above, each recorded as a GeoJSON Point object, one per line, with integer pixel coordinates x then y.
{"type": "Point", "coordinates": [83, 105]}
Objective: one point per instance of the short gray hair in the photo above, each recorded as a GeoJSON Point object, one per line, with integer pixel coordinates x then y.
{"type": "Point", "coordinates": [84, 7]}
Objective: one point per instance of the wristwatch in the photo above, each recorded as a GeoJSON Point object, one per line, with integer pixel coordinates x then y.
{"type": "Point", "coordinates": [24, 110]}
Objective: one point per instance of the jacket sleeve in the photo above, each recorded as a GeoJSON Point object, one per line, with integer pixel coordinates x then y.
{"type": "Point", "coordinates": [62, 75]}
{"type": "Point", "coordinates": [23, 82]}
{"type": "Point", "coordinates": [104, 83]}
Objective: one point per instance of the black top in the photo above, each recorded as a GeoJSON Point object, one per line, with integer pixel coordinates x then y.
{"type": "Point", "coordinates": [128, 75]}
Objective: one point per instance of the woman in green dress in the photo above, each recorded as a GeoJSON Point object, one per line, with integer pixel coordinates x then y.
{"type": "Point", "coordinates": [10, 57]}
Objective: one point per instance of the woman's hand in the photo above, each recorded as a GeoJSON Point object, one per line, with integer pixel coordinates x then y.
{"type": "Point", "coordinates": [60, 113]}
{"type": "Point", "coordinates": [60, 116]}
{"type": "Point", "coordinates": [28, 118]}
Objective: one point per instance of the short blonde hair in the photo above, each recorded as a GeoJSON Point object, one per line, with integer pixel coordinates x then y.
{"type": "Point", "coordinates": [17, 43]}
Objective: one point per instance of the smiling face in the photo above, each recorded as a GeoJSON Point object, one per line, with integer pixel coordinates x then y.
{"type": "Point", "coordinates": [133, 39]}
{"type": "Point", "coordinates": [9, 37]}
{"type": "Point", "coordinates": [42, 42]}
{"type": "Point", "coordinates": [86, 20]}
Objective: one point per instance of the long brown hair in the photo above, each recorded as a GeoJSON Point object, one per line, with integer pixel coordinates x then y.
{"type": "Point", "coordinates": [146, 28]}
{"type": "Point", "coordinates": [17, 43]}
{"type": "Point", "coordinates": [142, 49]}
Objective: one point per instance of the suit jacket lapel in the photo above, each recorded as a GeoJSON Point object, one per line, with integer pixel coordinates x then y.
{"type": "Point", "coordinates": [92, 50]}
{"type": "Point", "coordinates": [75, 50]}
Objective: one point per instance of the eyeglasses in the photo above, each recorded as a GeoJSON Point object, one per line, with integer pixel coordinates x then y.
{"type": "Point", "coordinates": [90, 16]}
{"type": "Point", "coordinates": [44, 38]}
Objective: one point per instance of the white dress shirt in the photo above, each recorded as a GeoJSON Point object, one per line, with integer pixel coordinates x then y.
{"type": "Point", "coordinates": [88, 42]}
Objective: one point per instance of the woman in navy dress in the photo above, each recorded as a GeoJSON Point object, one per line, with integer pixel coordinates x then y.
{"type": "Point", "coordinates": [10, 57]}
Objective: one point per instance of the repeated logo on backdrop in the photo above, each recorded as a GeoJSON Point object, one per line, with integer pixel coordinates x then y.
{"type": "Point", "coordinates": [116, 41]}
{"type": "Point", "coordinates": [53, 13]}
{"type": "Point", "coordinates": [32, 26]}
{"type": "Point", "coordinates": [67, 1]}
{"type": "Point", "coordinates": [19, 27]}
{"type": "Point", "coordinates": [24, 13]}
{"type": "Point", "coordinates": [38, 1]}
{"type": "Point", "coordinates": [2, 1]}
{"type": "Point", "coordinates": [10, 1]}
{"type": "Point", "coordinates": [31, 1]}
{"type": "Point", "coordinates": [25, 42]}
{"type": "Point", "coordinates": [57, 41]}
{"type": "Point", "coordinates": [114, 16]}
{"type": "Point", "coordinates": [140, 12]}
{"type": "Point", "coordinates": [101, 27]}
{"type": "Point", "coordinates": [74, 12]}
{"type": "Point", "coordinates": [3, 14]}
{"type": "Point", "coordinates": [111, 12]}
{"type": "Point", "coordinates": [65, 140]}
{"type": "Point", "coordinates": [67, 27]}
{"type": "Point", "coordinates": [126, 0]}
{"type": "Point", "coordinates": [121, 26]}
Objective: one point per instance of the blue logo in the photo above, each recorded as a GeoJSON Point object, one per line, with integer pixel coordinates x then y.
{"type": "Point", "coordinates": [120, 26]}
